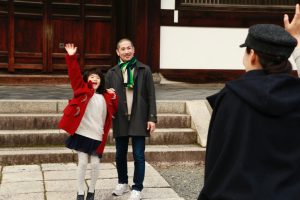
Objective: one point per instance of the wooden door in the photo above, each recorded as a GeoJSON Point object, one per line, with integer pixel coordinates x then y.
{"type": "Point", "coordinates": [88, 24]}
{"type": "Point", "coordinates": [21, 43]}
{"type": "Point", "coordinates": [33, 34]}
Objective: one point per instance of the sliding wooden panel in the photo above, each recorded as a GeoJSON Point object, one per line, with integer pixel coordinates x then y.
{"type": "Point", "coordinates": [28, 35]}
{"type": "Point", "coordinates": [99, 34]}
{"type": "Point", "coordinates": [228, 13]}
{"type": "Point", "coordinates": [88, 24]}
{"type": "Point", "coordinates": [65, 27]}
{"type": "Point", "coordinates": [4, 28]}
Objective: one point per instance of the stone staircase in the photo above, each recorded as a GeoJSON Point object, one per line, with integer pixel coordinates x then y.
{"type": "Point", "coordinates": [29, 134]}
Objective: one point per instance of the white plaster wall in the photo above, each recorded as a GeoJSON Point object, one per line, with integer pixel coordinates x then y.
{"type": "Point", "coordinates": [201, 48]}
{"type": "Point", "coordinates": [167, 4]}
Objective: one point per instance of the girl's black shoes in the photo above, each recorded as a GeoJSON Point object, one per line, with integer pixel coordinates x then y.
{"type": "Point", "coordinates": [80, 197]}
{"type": "Point", "coordinates": [90, 196]}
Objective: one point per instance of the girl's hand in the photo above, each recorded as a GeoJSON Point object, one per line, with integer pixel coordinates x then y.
{"type": "Point", "coordinates": [70, 49]}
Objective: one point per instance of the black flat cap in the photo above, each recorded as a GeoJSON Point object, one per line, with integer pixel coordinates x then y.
{"type": "Point", "coordinates": [270, 39]}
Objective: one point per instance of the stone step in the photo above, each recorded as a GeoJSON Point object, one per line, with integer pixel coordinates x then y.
{"type": "Point", "coordinates": [57, 106]}
{"type": "Point", "coordinates": [154, 153]}
{"type": "Point", "coordinates": [36, 79]}
{"type": "Point", "coordinates": [56, 137]}
{"type": "Point", "coordinates": [50, 121]}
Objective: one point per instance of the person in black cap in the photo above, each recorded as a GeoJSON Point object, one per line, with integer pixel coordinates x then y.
{"type": "Point", "coordinates": [253, 147]}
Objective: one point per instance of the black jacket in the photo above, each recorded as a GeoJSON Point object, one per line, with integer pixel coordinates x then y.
{"type": "Point", "coordinates": [253, 149]}
{"type": "Point", "coordinates": [143, 105]}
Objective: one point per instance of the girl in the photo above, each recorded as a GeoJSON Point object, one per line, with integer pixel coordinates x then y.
{"type": "Point", "coordinates": [87, 118]}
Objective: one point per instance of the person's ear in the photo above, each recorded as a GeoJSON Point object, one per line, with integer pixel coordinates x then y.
{"type": "Point", "coordinates": [253, 57]}
{"type": "Point", "coordinates": [254, 60]}
{"type": "Point", "coordinates": [117, 51]}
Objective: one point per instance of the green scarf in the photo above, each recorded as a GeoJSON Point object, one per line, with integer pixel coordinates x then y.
{"type": "Point", "coordinates": [129, 66]}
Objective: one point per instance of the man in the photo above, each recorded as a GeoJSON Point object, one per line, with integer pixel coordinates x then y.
{"type": "Point", "coordinates": [136, 116]}
{"type": "Point", "coordinates": [253, 149]}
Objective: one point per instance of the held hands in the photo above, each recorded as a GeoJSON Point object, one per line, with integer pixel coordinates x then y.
{"type": "Point", "coordinates": [293, 27]}
{"type": "Point", "coordinates": [111, 91]}
{"type": "Point", "coordinates": [71, 50]}
{"type": "Point", "coordinates": [150, 126]}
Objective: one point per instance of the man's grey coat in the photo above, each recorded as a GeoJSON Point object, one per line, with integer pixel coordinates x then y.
{"type": "Point", "coordinates": [143, 105]}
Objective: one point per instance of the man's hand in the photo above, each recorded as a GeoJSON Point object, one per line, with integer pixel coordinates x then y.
{"type": "Point", "coordinates": [293, 27]}
{"type": "Point", "coordinates": [110, 90]}
{"type": "Point", "coordinates": [151, 127]}
{"type": "Point", "coordinates": [70, 49]}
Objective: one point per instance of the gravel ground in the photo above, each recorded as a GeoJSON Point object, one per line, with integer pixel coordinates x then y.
{"type": "Point", "coordinates": [185, 178]}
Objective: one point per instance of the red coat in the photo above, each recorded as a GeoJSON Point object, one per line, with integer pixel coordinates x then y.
{"type": "Point", "coordinates": [83, 92]}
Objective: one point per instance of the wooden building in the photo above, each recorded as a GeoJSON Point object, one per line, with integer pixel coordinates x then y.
{"type": "Point", "coordinates": [33, 32]}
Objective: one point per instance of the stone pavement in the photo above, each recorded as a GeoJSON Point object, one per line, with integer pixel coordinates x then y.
{"type": "Point", "coordinates": [58, 182]}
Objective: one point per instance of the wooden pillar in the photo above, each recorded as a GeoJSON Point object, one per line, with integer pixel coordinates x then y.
{"type": "Point", "coordinates": [11, 50]}
{"type": "Point", "coordinates": [82, 35]}
{"type": "Point", "coordinates": [147, 32]}
{"type": "Point", "coordinates": [139, 20]}
{"type": "Point", "coordinates": [45, 36]}
{"type": "Point", "coordinates": [49, 37]}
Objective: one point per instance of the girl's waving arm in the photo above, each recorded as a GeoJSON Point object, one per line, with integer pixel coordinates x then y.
{"type": "Point", "coordinates": [73, 67]}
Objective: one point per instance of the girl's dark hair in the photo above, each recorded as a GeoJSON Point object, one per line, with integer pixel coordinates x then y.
{"type": "Point", "coordinates": [96, 70]}
{"type": "Point", "coordinates": [273, 64]}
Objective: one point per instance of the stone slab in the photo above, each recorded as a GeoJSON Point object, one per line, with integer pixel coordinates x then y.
{"type": "Point", "coordinates": [22, 176]}
{"type": "Point", "coordinates": [155, 182]}
{"type": "Point", "coordinates": [57, 106]}
{"type": "Point", "coordinates": [57, 137]}
{"type": "Point", "coordinates": [28, 196]}
{"type": "Point", "coordinates": [154, 153]}
{"type": "Point", "coordinates": [50, 121]}
{"type": "Point", "coordinates": [58, 166]}
{"type": "Point", "coordinates": [21, 187]}
{"type": "Point", "coordinates": [106, 195]}
{"type": "Point", "coordinates": [61, 185]}
{"type": "Point", "coordinates": [200, 117]}
{"type": "Point", "coordinates": [20, 168]}
{"type": "Point", "coordinates": [159, 193]}
{"type": "Point", "coordinates": [60, 175]}
{"type": "Point", "coordinates": [28, 106]}
{"type": "Point", "coordinates": [165, 106]}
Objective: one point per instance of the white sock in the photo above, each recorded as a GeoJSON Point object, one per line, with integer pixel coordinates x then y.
{"type": "Point", "coordinates": [81, 169]}
{"type": "Point", "coordinates": [95, 165]}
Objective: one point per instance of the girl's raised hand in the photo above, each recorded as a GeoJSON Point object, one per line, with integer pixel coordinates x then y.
{"type": "Point", "coordinates": [70, 49]}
